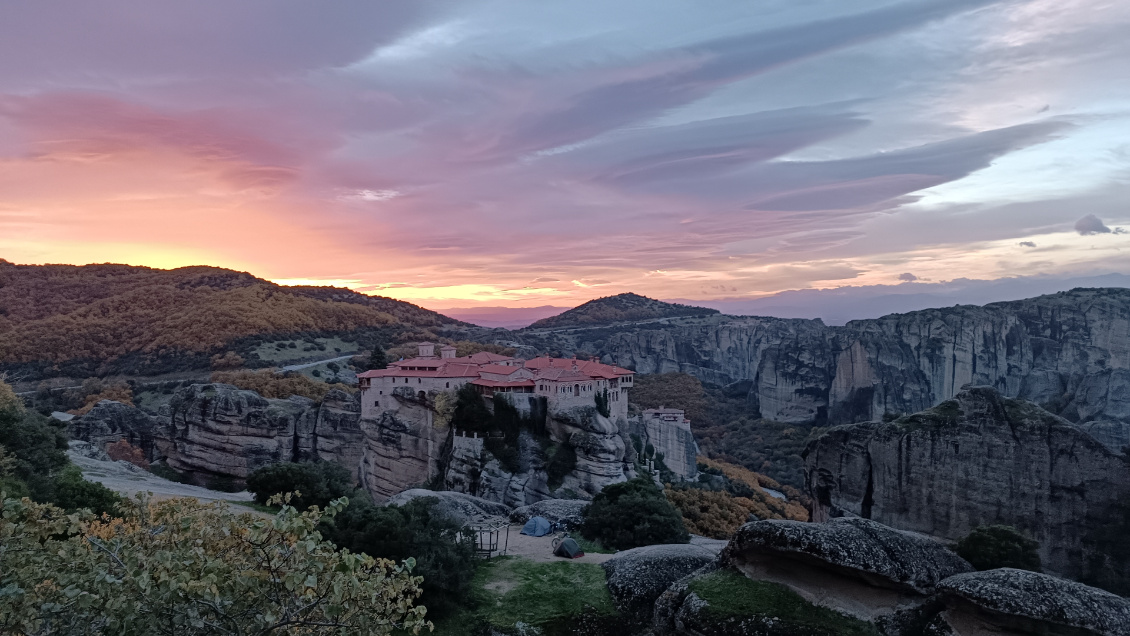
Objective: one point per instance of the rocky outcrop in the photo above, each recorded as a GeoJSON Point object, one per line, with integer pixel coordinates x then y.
{"type": "Point", "coordinates": [413, 445]}
{"type": "Point", "coordinates": [402, 449]}
{"type": "Point", "coordinates": [568, 512]}
{"type": "Point", "coordinates": [1021, 602]}
{"type": "Point", "coordinates": [978, 459]}
{"type": "Point", "coordinates": [109, 422]}
{"type": "Point", "coordinates": [1068, 352]}
{"type": "Point", "coordinates": [459, 507]}
{"type": "Point", "coordinates": [217, 431]}
{"type": "Point", "coordinates": [875, 554]}
{"type": "Point", "coordinates": [637, 577]}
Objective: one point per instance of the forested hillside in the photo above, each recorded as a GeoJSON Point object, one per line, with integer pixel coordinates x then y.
{"type": "Point", "coordinates": [98, 319]}
{"type": "Point", "coordinates": [619, 308]}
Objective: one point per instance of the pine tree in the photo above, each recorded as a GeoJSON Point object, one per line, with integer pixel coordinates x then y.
{"type": "Point", "coordinates": [378, 360]}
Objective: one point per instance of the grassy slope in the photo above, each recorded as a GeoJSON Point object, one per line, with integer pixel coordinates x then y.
{"type": "Point", "coordinates": [734, 596]}
{"type": "Point", "coordinates": [508, 590]}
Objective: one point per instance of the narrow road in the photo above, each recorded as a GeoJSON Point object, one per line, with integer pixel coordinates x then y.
{"type": "Point", "coordinates": [296, 367]}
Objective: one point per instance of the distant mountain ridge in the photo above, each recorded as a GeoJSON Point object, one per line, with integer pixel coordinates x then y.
{"type": "Point", "coordinates": [619, 308]}
{"type": "Point", "coordinates": [1068, 352]}
{"type": "Point", "coordinates": [100, 319]}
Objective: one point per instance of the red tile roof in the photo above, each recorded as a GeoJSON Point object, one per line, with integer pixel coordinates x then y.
{"type": "Point", "coordinates": [502, 383]}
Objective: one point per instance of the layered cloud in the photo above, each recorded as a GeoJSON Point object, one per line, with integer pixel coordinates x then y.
{"type": "Point", "coordinates": [488, 151]}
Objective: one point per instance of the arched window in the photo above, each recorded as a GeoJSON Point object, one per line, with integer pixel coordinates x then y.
{"type": "Point", "coordinates": [576, 389]}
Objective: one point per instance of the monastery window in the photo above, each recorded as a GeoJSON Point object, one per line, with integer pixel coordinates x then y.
{"type": "Point", "coordinates": [447, 385]}
{"type": "Point", "coordinates": [576, 389]}
{"type": "Point", "coordinates": [419, 380]}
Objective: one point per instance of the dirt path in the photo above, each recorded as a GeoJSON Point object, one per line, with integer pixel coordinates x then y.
{"type": "Point", "coordinates": [541, 548]}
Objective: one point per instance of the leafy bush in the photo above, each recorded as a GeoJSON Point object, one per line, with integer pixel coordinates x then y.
{"type": "Point", "coordinates": [444, 555]}
{"type": "Point", "coordinates": [71, 492]}
{"type": "Point", "coordinates": [187, 568]}
{"type": "Point", "coordinates": [35, 445]}
{"type": "Point", "coordinates": [317, 483]}
{"type": "Point", "coordinates": [632, 514]}
{"type": "Point", "coordinates": [999, 546]}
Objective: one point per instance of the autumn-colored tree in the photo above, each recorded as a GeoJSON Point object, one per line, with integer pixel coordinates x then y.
{"type": "Point", "coordinates": [117, 392]}
{"type": "Point", "coordinates": [122, 450]}
{"type": "Point", "coordinates": [181, 567]}
{"type": "Point", "coordinates": [229, 360]}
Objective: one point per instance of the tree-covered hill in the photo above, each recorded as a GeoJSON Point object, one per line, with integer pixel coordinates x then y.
{"type": "Point", "coordinates": [99, 319]}
{"type": "Point", "coordinates": [619, 308]}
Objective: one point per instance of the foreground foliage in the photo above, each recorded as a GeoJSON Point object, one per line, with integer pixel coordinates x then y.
{"type": "Point", "coordinates": [444, 555]}
{"type": "Point", "coordinates": [633, 514]}
{"type": "Point", "coordinates": [186, 568]}
{"type": "Point", "coordinates": [999, 546]}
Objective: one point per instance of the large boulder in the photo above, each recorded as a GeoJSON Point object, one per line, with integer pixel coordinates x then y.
{"type": "Point", "coordinates": [568, 512]}
{"type": "Point", "coordinates": [637, 577]}
{"type": "Point", "coordinates": [860, 548]}
{"type": "Point", "coordinates": [461, 508]}
{"type": "Point", "coordinates": [1018, 601]}
{"type": "Point", "coordinates": [109, 422]}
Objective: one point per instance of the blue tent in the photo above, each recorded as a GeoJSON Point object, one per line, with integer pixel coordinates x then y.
{"type": "Point", "coordinates": [536, 527]}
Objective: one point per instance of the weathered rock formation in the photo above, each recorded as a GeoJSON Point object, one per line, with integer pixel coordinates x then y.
{"type": "Point", "coordinates": [413, 445]}
{"type": "Point", "coordinates": [568, 512]}
{"type": "Point", "coordinates": [854, 576]}
{"type": "Point", "coordinates": [211, 431]}
{"type": "Point", "coordinates": [457, 506]}
{"type": "Point", "coordinates": [637, 577]}
{"type": "Point", "coordinates": [1019, 602]}
{"type": "Point", "coordinates": [110, 421]}
{"type": "Point", "coordinates": [978, 459]}
{"type": "Point", "coordinates": [1068, 352]}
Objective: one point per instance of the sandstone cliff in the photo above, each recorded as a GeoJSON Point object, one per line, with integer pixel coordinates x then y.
{"type": "Point", "coordinates": [978, 459]}
{"type": "Point", "coordinates": [211, 431]}
{"type": "Point", "coordinates": [1068, 352]}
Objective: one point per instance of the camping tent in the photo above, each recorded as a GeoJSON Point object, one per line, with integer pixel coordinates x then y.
{"type": "Point", "coordinates": [536, 527]}
{"type": "Point", "coordinates": [569, 549]}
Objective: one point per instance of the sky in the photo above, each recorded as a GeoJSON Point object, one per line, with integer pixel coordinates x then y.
{"type": "Point", "coordinates": [523, 154]}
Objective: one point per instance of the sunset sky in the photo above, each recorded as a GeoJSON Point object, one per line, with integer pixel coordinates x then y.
{"type": "Point", "coordinates": [523, 153]}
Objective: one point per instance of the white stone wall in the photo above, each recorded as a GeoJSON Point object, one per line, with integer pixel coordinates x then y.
{"type": "Point", "coordinates": [378, 397]}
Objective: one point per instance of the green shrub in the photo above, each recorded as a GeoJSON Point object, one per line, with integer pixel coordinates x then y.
{"type": "Point", "coordinates": [632, 514]}
{"type": "Point", "coordinates": [35, 446]}
{"type": "Point", "coordinates": [444, 556]}
{"type": "Point", "coordinates": [317, 482]}
{"type": "Point", "coordinates": [72, 492]}
{"type": "Point", "coordinates": [999, 546]}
